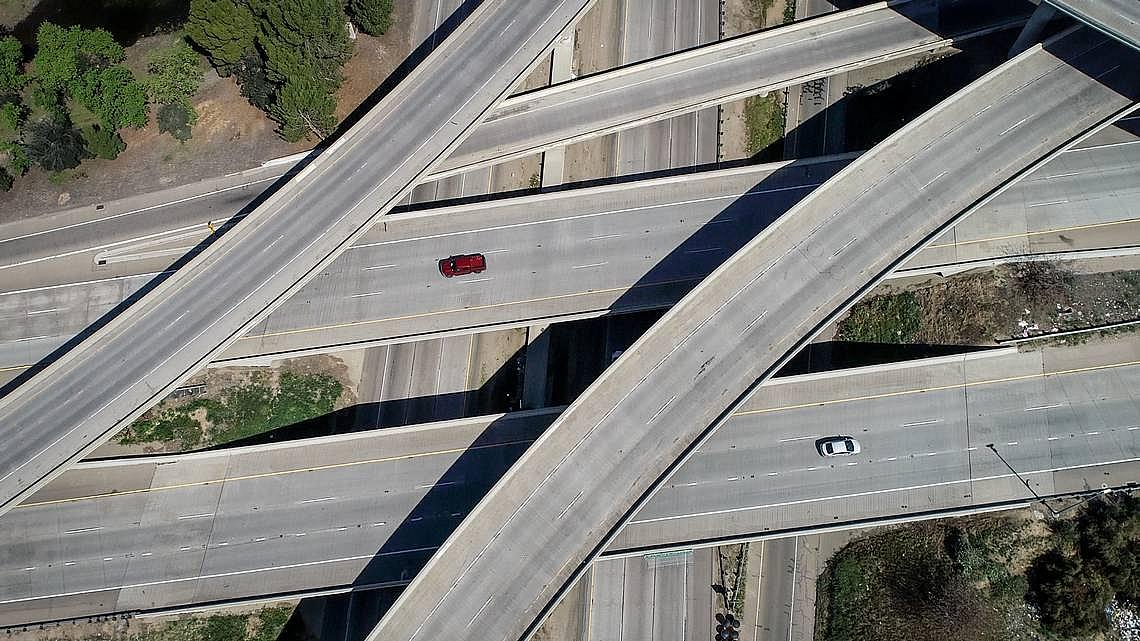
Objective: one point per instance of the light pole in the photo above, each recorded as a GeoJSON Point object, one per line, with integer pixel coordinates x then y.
{"type": "Point", "coordinates": [1029, 487]}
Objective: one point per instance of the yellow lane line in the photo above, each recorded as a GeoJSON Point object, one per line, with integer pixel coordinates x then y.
{"type": "Point", "coordinates": [247, 477]}
{"type": "Point", "coordinates": [621, 289]}
{"type": "Point", "coordinates": [937, 388]}
{"type": "Point", "coordinates": [473, 308]}
{"type": "Point", "coordinates": [458, 450]}
{"type": "Point", "coordinates": [1044, 232]}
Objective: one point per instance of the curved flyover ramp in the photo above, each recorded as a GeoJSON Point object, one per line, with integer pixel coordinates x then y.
{"type": "Point", "coordinates": [1118, 18]}
{"type": "Point", "coordinates": [557, 508]}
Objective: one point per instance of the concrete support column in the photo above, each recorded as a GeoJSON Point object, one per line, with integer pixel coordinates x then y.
{"type": "Point", "coordinates": [561, 70]}
{"type": "Point", "coordinates": [534, 376]}
{"type": "Point", "coordinates": [1031, 32]}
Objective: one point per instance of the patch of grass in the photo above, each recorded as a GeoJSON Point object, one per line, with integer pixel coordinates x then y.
{"type": "Point", "coordinates": [170, 425]}
{"type": "Point", "coordinates": [270, 623]}
{"type": "Point", "coordinates": [62, 177]}
{"type": "Point", "coordinates": [265, 625]}
{"type": "Point", "coordinates": [240, 412]}
{"type": "Point", "coordinates": [892, 318]}
{"type": "Point", "coordinates": [764, 118]}
{"type": "Point", "coordinates": [226, 627]}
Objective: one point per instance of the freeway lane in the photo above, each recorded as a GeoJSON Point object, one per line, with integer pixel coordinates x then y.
{"type": "Point", "coordinates": [1117, 18]}
{"type": "Point", "coordinates": [531, 122]}
{"type": "Point", "coordinates": [187, 529]}
{"type": "Point", "coordinates": [724, 71]}
{"type": "Point", "coordinates": [1084, 199]}
{"type": "Point", "coordinates": [531, 537]}
{"type": "Point", "coordinates": [120, 371]}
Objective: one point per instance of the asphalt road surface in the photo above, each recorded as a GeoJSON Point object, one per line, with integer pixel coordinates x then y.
{"type": "Point", "coordinates": [531, 537]}
{"type": "Point", "coordinates": [195, 528]}
{"type": "Point", "coordinates": [174, 330]}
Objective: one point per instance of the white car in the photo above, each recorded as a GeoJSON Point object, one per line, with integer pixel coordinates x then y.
{"type": "Point", "coordinates": [837, 446]}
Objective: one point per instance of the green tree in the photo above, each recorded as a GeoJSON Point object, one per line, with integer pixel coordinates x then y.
{"type": "Point", "coordinates": [55, 145]}
{"type": "Point", "coordinates": [12, 116]}
{"type": "Point", "coordinates": [113, 94]}
{"type": "Point", "coordinates": [104, 143]}
{"type": "Point", "coordinates": [18, 162]}
{"type": "Point", "coordinates": [374, 17]}
{"type": "Point", "coordinates": [303, 39]}
{"type": "Point", "coordinates": [63, 55]}
{"type": "Point", "coordinates": [304, 107]}
{"type": "Point", "coordinates": [11, 59]}
{"type": "Point", "coordinates": [177, 119]}
{"type": "Point", "coordinates": [255, 83]}
{"type": "Point", "coordinates": [1070, 595]}
{"type": "Point", "coordinates": [224, 29]}
{"type": "Point", "coordinates": [173, 74]}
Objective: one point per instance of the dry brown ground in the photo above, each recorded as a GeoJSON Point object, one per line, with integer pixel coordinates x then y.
{"type": "Point", "coordinates": [230, 135]}
{"type": "Point", "coordinates": [1020, 300]}
{"type": "Point", "coordinates": [740, 17]}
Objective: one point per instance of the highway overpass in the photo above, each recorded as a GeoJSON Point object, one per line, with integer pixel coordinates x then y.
{"type": "Point", "coordinates": [175, 329]}
{"type": "Point", "coordinates": [1117, 18]}
{"type": "Point", "coordinates": [304, 516]}
{"type": "Point", "coordinates": [537, 120]}
{"type": "Point", "coordinates": [599, 250]}
{"type": "Point", "coordinates": [531, 537]}
{"type": "Point", "coordinates": [723, 71]}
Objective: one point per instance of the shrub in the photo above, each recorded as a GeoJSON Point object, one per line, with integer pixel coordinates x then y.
{"type": "Point", "coordinates": [18, 162]}
{"type": "Point", "coordinates": [114, 95]}
{"type": "Point", "coordinates": [55, 145]}
{"type": "Point", "coordinates": [11, 60]}
{"type": "Point", "coordinates": [104, 143]}
{"type": "Point", "coordinates": [173, 74]}
{"type": "Point", "coordinates": [374, 17]}
{"type": "Point", "coordinates": [6, 180]}
{"type": "Point", "coordinates": [177, 119]}
{"type": "Point", "coordinates": [12, 116]}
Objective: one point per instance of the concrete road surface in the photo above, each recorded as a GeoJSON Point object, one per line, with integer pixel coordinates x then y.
{"type": "Point", "coordinates": [655, 597]}
{"type": "Point", "coordinates": [581, 252]}
{"type": "Point", "coordinates": [174, 330]}
{"type": "Point", "coordinates": [291, 517]}
{"type": "Point", "coordinates": [775, 598]}
{"type": "Point", "coordinates": [651, 28]}
{"type": "Point", "coordinates": [545, 521]}
{"type": "Point", "coordinates": [1118, 18]}
{"type": "Point", "coordinates": [172, 223]}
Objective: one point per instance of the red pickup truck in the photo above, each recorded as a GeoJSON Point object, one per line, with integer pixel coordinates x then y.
{"type": "Point", "coordinates": [462, 265]}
